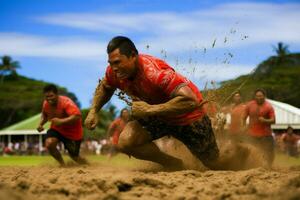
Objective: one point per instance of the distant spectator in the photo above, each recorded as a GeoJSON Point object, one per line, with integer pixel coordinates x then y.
{"type": "Point", "coordinates": [290, 140]}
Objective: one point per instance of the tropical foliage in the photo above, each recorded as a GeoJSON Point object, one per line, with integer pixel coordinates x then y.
{"type": "Point", "coordinates": [8, 67]}
{"type": "Point", "coordinates": [106, 116]}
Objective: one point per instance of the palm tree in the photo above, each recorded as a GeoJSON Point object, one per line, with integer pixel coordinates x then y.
{"type": "Point", "coordinates": [281, 49]}
{"type": "Point", "coordinates": [8, 66]}
{"type": "Point", "coordinates": [282, 54]}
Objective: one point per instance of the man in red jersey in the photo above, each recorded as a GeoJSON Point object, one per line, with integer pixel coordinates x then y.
{"type": "Point", "coordinates": [164, 103]}
{"type": "Point", "coordinates": [117, 126]}
{"type": "Point", "coordinates": [290, 140]}
{"type": "Point", "coordinates": [237, 111]}
{"type": "Point", "coordinates": [115, 129]}
{"type": "Point", "coordinates": [65, 118]}
{"type": "Point", "coordinates": [261, 115]}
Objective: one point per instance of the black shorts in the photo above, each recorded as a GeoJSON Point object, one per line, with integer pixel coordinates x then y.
{"type": "Point", "coordinates": [198, 136]}
{"type": "Point", "coordinates": [73, 146]}
{"type": "Point", "coordinates": [266, 144]}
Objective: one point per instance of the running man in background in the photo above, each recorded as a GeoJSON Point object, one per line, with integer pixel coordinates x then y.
{"type": "Point", "coordinates": [66, 127]}
{"type": "Point", "coordinates": [115, 129]}
{"type": "Point", "coordinates": [164, 103]}
{"type": "Point", "coordinates": [261, 115]}
{"type": "Point", "coordinates": [237, 112]}
{"type": "Point", "coordinates": [290, 140]}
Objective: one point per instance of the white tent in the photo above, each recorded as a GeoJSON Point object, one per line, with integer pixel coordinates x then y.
{"type": "Point", "coordinates": [285, 115]}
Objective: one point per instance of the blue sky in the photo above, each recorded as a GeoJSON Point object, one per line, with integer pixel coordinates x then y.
{"type": "Point", "coordinates": [64, 41]}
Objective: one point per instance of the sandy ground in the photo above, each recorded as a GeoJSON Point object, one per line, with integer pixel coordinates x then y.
{"type": "Point", "coordinates": [147, 181]}
{"type": "Point", "coordinates": [99, 182]}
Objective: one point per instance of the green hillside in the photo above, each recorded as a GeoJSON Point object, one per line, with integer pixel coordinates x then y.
{"type": "Point", "coordinates": [278, 75]}
{"type": "Point", "coordinates": [21, 101]}
{"type": "Point", "coordinates": [21, 97]}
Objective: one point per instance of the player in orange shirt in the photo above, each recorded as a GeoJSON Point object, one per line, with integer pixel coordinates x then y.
{"type": "Point", "coordinates": [290, 140]}
{"type": "Point", "coordinates": [115, 129]}
{"type": "Point", "coordinates": [66, 127]}
{"type": "Point", "coordinates": [261, 115]}
{"type": "Point", "coordinates": [117, 126]}
{"type": "Point", "coordinates": [165, 102]}
{"type": "Point", "coordinates": [237, 111]}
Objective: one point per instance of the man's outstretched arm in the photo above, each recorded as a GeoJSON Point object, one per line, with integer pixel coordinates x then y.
{"type": "Point", "coordinates": [267, 121]}
{"type": "Point", "coordinates": [102, 95]}
{"type": "Point", "coordinates": [43, 121]}
{"type": "Point", "coordinates": [67, 120]}
{"type": "Point", "coordinates": [184, 101]}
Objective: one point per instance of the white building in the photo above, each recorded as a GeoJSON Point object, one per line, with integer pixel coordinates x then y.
{"type": "Point", "coordinates": [285, 115]}
{"type": "Point", "coordinates": [26, 129]}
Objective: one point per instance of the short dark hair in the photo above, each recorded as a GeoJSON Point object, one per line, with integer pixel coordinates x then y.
{"type": "Point", "coordinates": [260, 90]}
{"type": "Point", "coordinates": [289, 127]}
{"type": "Point", "coordinates": [50, 88]}
{"type": "Point", "coordinates": [236, 92]}
{"type": "Point", "coordinates": [124, 109]}
{"type": "Point", "coordinates": [125, 45]}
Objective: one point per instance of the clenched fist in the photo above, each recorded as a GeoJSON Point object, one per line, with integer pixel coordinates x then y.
{"type": "Point", "coordinates": [40, 128]}
{"type": "Point", "coordinates": [91, 120]}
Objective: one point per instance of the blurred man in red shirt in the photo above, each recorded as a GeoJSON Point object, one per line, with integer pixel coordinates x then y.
{"type": "Point", "coordinates": [164, 103]}
{"type": "Point", "coordinates": [115, 129]}
{"type": "Point", "coordinates": [261, 115]}
{"type": "Point", "coordinates": [117, 126]}
{"type": "Point", "coordinates": [290, 140]}
{"type": "Point", "coordinates": [237, 112]}
{"type": "Point", "coordinates": [66, 127]}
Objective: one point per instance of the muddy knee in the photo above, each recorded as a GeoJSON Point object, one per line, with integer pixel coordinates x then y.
{"type": "Point", "coordinates": [51, 143]}
{"type": "Point", "coordinates": [132, 136]}
{"type": "Point", "coordinates": [126, 141]}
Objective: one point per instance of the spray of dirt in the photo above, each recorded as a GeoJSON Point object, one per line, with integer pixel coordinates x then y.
{"type": "Point", "coordinates": [233, 156]}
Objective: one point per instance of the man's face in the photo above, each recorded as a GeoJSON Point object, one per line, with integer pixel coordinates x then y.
{"type": "Point", "coordinates": [259, 97]}
{"type": "Point", "coordinates": [237, 98]}
{"type": "Point", "coordinates": [290, 131]}
{"type": "Point", "coordinates": [123, 66]}
{"type": "Point", "coordinates": [125, 115]}
{"type": "Point", "coordinates": [51, 97]}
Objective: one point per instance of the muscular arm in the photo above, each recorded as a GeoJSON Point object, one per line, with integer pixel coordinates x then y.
{"type": "Point", "coordinates": [243, 121]}
{"type": "Point", "coordinates": [102, 95]}
{"type": "Point", "coordinates": [43, 119]}
{"type": "Point", "coordinates": [267, 121]}
{"type": "Point", "coordinates": [111, 130]}
{"type": "Point", "coordinates": [184, 101]}
{"type": "Point", "coordinates": [67, 120]}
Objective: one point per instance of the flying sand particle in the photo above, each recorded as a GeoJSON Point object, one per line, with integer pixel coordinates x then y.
{"type": "Point", "coordinates": [214, 43]}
